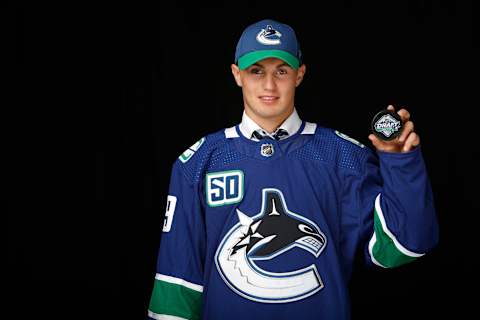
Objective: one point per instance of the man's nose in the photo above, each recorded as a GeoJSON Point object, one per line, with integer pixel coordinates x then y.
{"type": "Point", "coordinates": [269, 83]}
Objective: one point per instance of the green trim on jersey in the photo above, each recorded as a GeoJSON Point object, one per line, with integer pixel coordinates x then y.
{"type": "Point", "coordinates": [384, 249]}
{"type": "Point", "coordinates": [175, 300]}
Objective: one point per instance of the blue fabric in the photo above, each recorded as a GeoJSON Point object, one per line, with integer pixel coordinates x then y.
{"type": "Point", "coordinates": [320, 184]}
{"type": "Point", "coordinates": [286, 42]}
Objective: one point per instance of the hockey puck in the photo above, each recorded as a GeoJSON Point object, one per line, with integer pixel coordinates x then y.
{"type": "Point", "coordinates": [387, 125]}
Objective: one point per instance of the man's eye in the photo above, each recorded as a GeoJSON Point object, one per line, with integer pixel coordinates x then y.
{"type": "Point", "coordinates": [282, 71]}
{"type": "Point", "coordinates": [256, 71]}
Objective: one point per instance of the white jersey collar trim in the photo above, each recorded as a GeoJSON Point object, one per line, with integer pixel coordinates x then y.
{"type": "Point", "coordinates": [291, 124]}
{"type": "Point", "coordinates": [309, 128]}
{"type": "Point", "coordinates": [231, 133]}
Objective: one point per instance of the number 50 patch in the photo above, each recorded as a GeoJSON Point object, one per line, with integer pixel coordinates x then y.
{"type": "Point", "coordinates": [224, 187]}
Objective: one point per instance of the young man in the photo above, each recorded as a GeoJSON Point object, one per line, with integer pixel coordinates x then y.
{"type": "Point", "coordinates": [263, 219]}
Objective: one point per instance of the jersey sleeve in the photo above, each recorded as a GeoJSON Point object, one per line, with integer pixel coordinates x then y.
{"type": "Point", "coordinates": [178, 286]}
{"type": "Point", "coordinates": [397, 218]}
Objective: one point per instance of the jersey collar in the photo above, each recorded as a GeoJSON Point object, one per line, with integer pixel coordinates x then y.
{"type": "Point", "coordinates": [291, 125]}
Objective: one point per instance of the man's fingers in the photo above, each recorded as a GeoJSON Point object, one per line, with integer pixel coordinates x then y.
{"type": "Point", "coordinates": [376, 141]}
{"type": "Point", "coordinates": [404, 114]}
{"type": "Point", "coordinates": [407, 129]}
{"type": "Point", "coordinates": [413, 140]}
{"type": "Point", "coordinates": [381, 145]}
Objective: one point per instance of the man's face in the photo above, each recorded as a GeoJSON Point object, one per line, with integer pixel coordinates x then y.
{"type": "Point", "coordinates": [268, 88]}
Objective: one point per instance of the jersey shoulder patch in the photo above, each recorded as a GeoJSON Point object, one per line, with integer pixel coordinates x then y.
{"type": "Point", "coordinates": [193, 161]}
{"type": "Point", "coordinates": [344, 136]}
{"type": "Point", "coordinates": [188, 154]}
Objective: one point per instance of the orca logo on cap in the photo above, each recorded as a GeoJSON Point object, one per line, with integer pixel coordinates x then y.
{"type": "Point", "coordinates": [269, 36]}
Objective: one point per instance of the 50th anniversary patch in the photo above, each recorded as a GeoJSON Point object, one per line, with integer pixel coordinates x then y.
{"type": "Point", "coordinates": [223, 188]}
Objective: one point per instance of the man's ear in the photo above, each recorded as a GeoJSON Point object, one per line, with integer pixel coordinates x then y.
{"type": "Point", "coordinates": [300, 73]}
{"type": "Point", "coordinates": [236, 74]}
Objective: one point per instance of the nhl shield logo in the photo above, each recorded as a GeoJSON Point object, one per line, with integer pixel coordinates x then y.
{"type": "Point", "coordinates": [267, 150]}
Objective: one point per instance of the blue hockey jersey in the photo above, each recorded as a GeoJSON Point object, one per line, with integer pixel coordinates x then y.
{"type": "Point", "coordinates": [269, 229]}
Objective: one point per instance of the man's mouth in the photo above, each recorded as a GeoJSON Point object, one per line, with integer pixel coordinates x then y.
{"type": "Point", "coordinates": [268, 98]}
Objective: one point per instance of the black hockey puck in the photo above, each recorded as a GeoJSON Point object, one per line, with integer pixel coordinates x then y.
{"type": "Point", "coordinates": [387, 125]}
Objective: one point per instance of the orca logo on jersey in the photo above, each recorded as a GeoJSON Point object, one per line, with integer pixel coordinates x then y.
{"type": "Point", "coordinates": [265, 236]}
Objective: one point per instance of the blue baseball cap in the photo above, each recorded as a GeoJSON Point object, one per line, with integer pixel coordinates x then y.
{"type": "Point", "coordinates": [267, 39]}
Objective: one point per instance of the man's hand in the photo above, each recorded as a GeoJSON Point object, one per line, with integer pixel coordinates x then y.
{"type": "Point", "coordinates": [407, 141]}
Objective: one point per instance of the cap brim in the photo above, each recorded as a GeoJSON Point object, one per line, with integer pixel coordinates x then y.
{"type": "Point", "coordinates": [250, 58]}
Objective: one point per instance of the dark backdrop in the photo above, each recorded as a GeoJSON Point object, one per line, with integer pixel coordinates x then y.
{"type": "Point", "coordinates": [105, 97]}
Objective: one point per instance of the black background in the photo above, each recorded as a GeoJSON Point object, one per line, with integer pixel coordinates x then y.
{"type": "Point", "coordinates": [103, 98]}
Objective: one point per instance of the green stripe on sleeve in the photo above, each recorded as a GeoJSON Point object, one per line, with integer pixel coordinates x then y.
{"type": "Point", "coordinates": [384, 250]}
{"type": "Point", "coordinates": [175, 300]}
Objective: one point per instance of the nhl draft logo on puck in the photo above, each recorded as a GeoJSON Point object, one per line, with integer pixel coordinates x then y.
{"type": "Point", "coordinates": [387, 125]}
